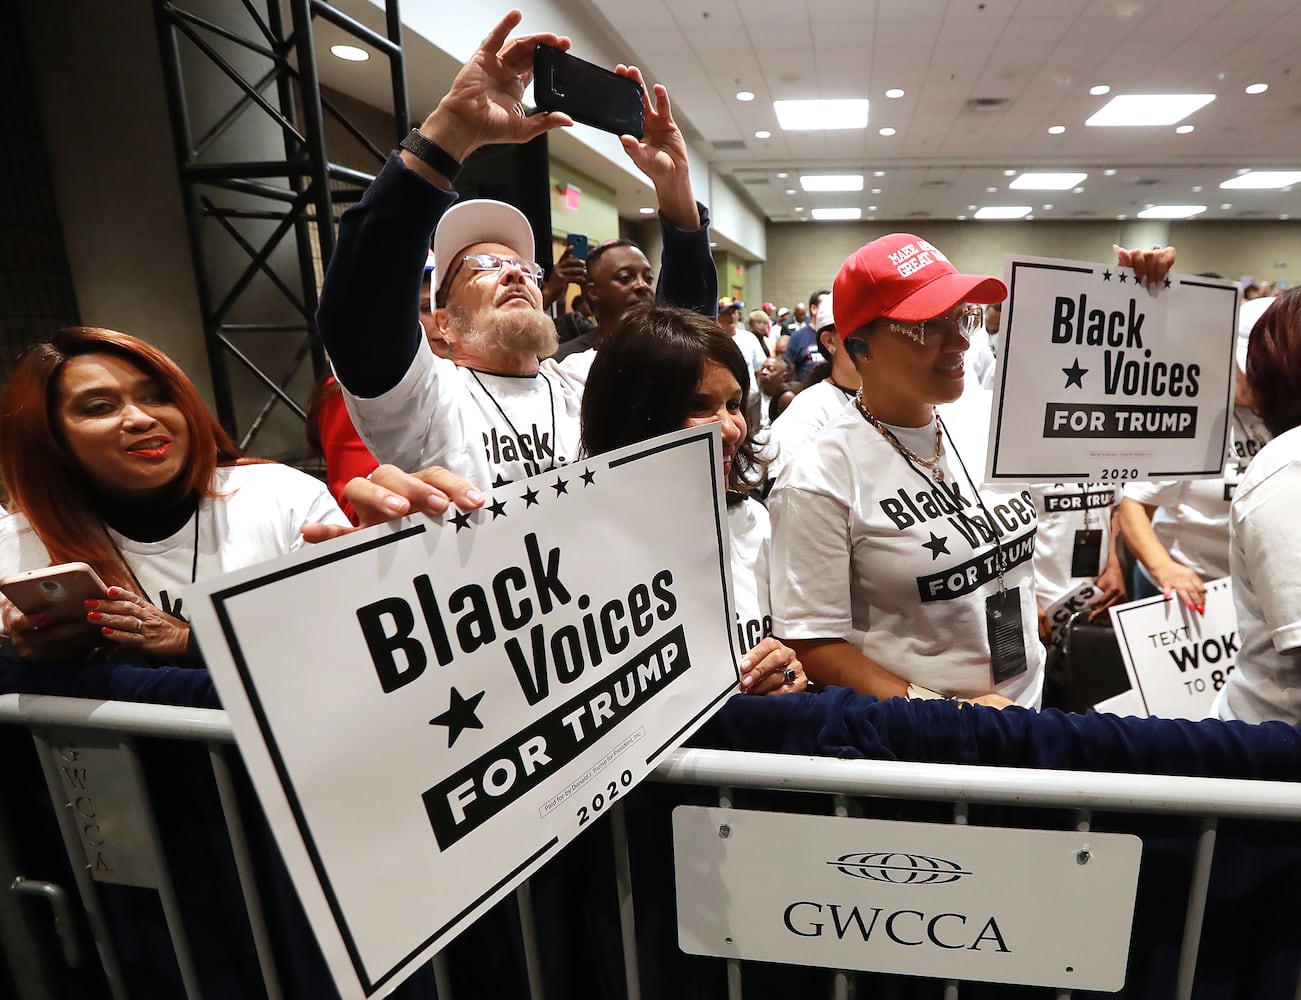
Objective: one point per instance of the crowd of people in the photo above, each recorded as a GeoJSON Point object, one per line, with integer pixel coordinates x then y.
{"type": "Point", "coordinates": [852, 431]}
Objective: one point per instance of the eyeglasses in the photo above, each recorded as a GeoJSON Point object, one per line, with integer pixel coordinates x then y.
{"type": "Point", "coordinates": [966, 320]}
{"type": "Point", "coordinates": [491, 262]}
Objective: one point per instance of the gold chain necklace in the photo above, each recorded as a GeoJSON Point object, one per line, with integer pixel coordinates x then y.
{"type": "Point", "coordinates": [931, 465]}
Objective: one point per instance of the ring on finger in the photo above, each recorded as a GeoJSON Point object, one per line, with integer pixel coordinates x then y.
{"type": "Point", "coordinates": [790, 675]}
{"type": "Point", "coordinates": [140, 625]}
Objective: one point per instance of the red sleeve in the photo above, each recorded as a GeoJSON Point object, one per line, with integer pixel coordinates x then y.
{"type": "Point", "coordinates": [345, 454]}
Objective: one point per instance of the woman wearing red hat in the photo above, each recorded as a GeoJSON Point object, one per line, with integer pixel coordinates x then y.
{"type": "Point", "coordinates": [893, 571]}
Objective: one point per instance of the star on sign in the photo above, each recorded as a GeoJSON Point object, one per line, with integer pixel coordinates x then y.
{"type": "Point", "coordinates": [1106, 275]}
{"type": "Point", "coordinates": [588, 477]}
{"type": "Point", "coordinates": [560, 486]}
{"type": "Point", "coordinates": [1167, 283]}
{"type": "Point", "coordinates": [937, 545]}
{"type": "Point", "coordinates": [500, 481]}
{"type": "Point", "coordinates": [498, 508]}
{"type": "Point", "coordinates": [530, 498]}
{"type": "Point", "coordinates": [1122, 277]}
{"type": "Point", "coordinates": [1075, 375]}
{"type": "Point", "coordinates": [461, 519]}
{"type": "Point", "coordinates": [459, 716]}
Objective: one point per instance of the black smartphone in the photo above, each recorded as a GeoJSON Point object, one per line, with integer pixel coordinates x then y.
{"type": "Point", "coordinates": [577, 243]}
{"type": "Point", "coordinates": [586, 92]}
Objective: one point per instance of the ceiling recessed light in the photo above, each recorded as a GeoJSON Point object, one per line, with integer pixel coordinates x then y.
{"type": "Point", "coordinates": [744, 95]}
{"type": "Point", "coordinates": [876, 190]}
{"type": "Point", "coordinates": [837, 214]}
{"type": "Point", "coordinates": [1256, 88]}
{"type": "Point", "coordinates": [1099, 90]}
{"type": "Point", "coordinates": [1197, 189]}
{"type": "Point", "coordinates": [1028, 218]}
{"type": "Point", "coordinates": [1109, 172]}
{"type": "Point", "coordinates": [878, 173]}
{"type": "Point", "coordinates": [799, 208]}
{"type": "Point", "coordinates": [831, 182]}
{"type": "Point", "coordinates": [1037, 180]}
{"type": "Point", "coordinates": [782, 176]}
{"type": "Point", "coordinates": [713, 246]}
{"type": "Point", "coordinates": [894, 93]}
{"type": "Point", "coordinates": [803, 116]}
{"type": "Point", "coordinates": [1184, 129]}
{"type": "Point", "coordinates": [349, 53]}
{"type": "Point", "coordinates": [1056, 129]}
{"type": "Point", "coordinates": [1003, 212]}
{"type": "Point", "coordinates": [1149, 109]}
{"type": "Point", "coordinates": [887, 132]}
{"type": "Point", "coordinates": [1284, 217]}
{"type": "Point", "coordinates": [962, 218]}
{"type": "Point", "coordinates": [1171, 211]}
{"type": "Point", "coordinates": [971, 208]}
{"type": "Point", "coordinates": [1261, 180]}
{"type": "Point", "coordinates": [1048, 208]}
{"type": "Point", "coordinates": [990, 190]}
{"type": "Point", "coordinates": [1121, 218]}
{"type": "Point", "coordinates": [790, 190]}
{"type": "Point", "coordinates": [763, 133]}
{"type": "Point", "coordinates": [1009, 173]}
{"type": "Point", "coordinates": [871, 208]}
{"type": "Point", "coordinates": [1225, 206]}
{"type": "Point", "coordinates": [1077, 190]}
{"type": "Point", "coordinates": [646, 211]}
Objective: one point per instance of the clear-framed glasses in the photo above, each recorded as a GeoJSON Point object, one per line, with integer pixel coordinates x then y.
{"type": "Point", "coordinates": [965, 319]}
{"type": "Point", "coordinates": [491, 262]}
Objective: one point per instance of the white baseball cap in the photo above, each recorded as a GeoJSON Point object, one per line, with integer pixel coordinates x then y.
{"type": "Point", "coordinates": [480, 220]}
{"type": "Point", "coordinates": [1248, 313]}
{"type": "Point", "coordinates": [826, 317]}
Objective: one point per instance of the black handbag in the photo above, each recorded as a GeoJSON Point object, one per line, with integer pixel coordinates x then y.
{"type": "Point", "coordinates": [1086, 667]}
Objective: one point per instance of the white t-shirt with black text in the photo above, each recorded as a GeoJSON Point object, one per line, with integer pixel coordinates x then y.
{"type": "Point", "coordinates": [868, 548]}
{"type": "Point", "coordinates": [748, 534]}
{"type": "Point", "coordinates": [1192, 520]}
{"type": "Point", "coordinates": [259, 514]}
{"type": "Point", "coordinates": [489, 429]}
{"type": "Point", "coordinates": [1065, 509]}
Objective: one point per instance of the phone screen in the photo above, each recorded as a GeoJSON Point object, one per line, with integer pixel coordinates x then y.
{"type": "Point", "coordinates": [586, 92]}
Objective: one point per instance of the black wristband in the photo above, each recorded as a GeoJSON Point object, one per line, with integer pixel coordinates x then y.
{"type": "Point", "coordinates": [431, 153]}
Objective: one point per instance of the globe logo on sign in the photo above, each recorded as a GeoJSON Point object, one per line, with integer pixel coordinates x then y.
{"type": "Point", "coordinates": [898, 868]}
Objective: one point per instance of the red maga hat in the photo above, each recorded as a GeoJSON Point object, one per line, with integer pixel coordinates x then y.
{"type": "Point", "coordinates": [903, 277]}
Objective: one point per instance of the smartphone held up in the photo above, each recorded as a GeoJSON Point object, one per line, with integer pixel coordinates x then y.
{"type": "Point", "coordinates": [586, 92]}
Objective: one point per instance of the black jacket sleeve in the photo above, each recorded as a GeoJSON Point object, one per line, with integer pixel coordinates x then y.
{"type": "Point", "coordinates": [369, 316]}
{"type": "Point", "coordinates": [688, 278]}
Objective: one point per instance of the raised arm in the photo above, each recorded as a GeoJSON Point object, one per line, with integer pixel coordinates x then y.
{"type": "Point", "coordinates": [369, 312]}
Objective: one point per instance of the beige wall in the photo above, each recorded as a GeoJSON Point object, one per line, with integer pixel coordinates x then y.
{"type": "Point", "coordinates": [805, 256]}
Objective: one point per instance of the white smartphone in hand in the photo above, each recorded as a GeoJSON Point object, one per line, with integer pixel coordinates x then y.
{"type": "Point", "coordinates": [58, 591]}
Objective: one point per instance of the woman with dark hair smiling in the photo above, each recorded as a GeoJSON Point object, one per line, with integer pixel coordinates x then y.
{"type": "Point", "coordinates": [1265, 544]}
{"type": "Point", "coordinates": [664, 369]}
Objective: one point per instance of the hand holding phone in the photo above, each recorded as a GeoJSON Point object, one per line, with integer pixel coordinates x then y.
{"type": "Point", "coordinates": [57, 592]}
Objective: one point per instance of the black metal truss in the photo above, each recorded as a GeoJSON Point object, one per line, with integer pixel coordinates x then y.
{"type": "Point", "coordinates": [294, 192]}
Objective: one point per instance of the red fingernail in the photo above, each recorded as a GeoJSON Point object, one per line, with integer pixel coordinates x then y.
{"type": "Point", "coordinates": [94, 616]}
{"type": "Point", "coordinates": [1201, 609]}
{"type": "Point", "coordinates": [106, 630]}
{"type": "Point", "coordinates": [92, 604]}
{"type": "Point", "coordinates": [114, 591]}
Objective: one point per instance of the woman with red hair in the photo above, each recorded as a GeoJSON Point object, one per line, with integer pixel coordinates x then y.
{"type": "Point", "coordinates": [111, 458]}
{"type": "Point", "coordinates": [1264, 543]}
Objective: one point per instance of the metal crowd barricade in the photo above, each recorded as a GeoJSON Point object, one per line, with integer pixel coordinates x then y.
{"type": "Point", "coordinates": [96, 812]}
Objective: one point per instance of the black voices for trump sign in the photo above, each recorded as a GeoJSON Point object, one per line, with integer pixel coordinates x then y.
{"type": "Point", "coordinates": [432, 708]}
{"type": "Point", "coordinates": [1100, 379]}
